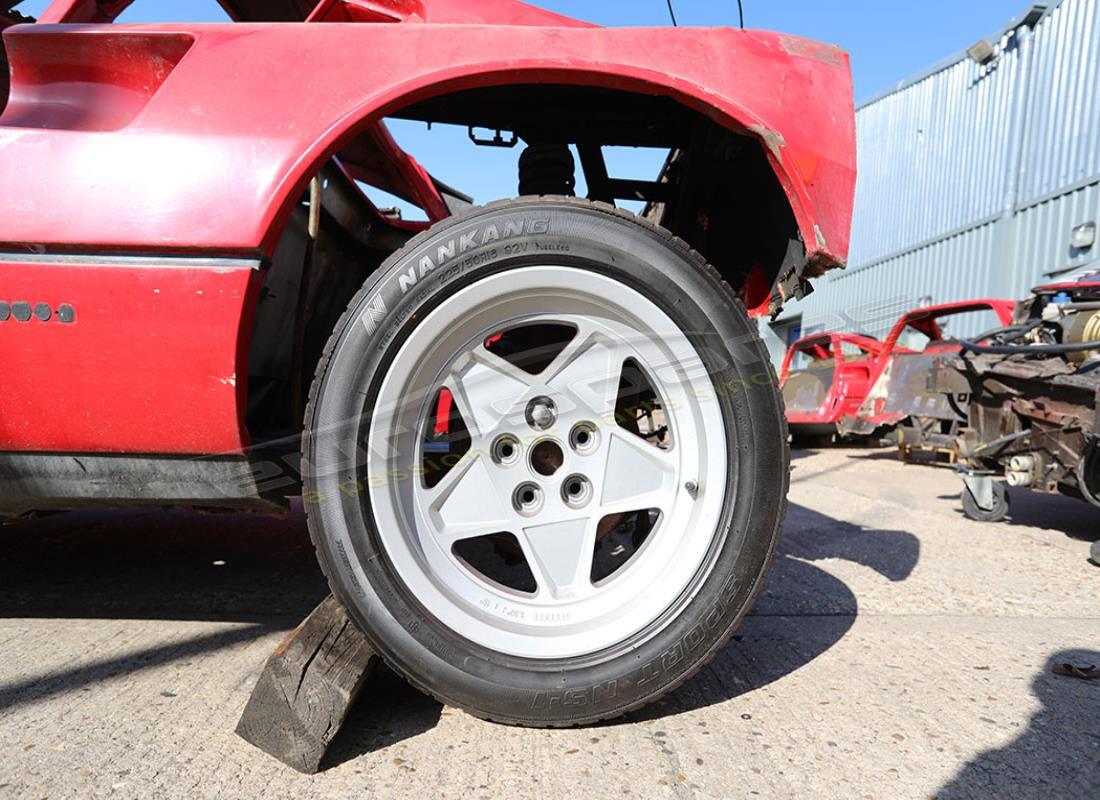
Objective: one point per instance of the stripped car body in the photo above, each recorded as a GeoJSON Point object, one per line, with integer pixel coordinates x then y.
{"type": "Point", "coordinates": [900, 394]}
{"type": "Point", "coordinates": [156, 204]}
{"type": "Point", "coordinates": [832, 385]}
{"type": "Point", "coordinates": [1034, 408]}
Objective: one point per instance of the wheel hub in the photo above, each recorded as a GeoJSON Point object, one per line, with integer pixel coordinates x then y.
{"type": "Point", "coordinates": [547, 457]}
{"type": "Point", "coordinates": [573, 475]}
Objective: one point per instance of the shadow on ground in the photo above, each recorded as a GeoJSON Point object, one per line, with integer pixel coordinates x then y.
{"type": "Point", "coordinates": [801, 612]}
{"type": "Point", "coordinates": [1075, 518]}
{"type": "Point", "coordinates": [1045, 760]}
{"type": "Point", "coordinates": [180, 565]}
{"type": "Point", "coordinates": [73, 679]}
{"type": "Point", "coordinates": [153, 564]}
{"type": "Point", "coordinates": [389, 711]}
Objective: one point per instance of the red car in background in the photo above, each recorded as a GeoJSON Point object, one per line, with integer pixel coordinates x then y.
{"type": "Point", "coordinates": [899, 390]}
{"type": "Point", "coordinates": [824, 377]}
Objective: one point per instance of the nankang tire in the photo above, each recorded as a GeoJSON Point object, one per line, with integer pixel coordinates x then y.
{"type": "Point", "coordinates": [545, 462]}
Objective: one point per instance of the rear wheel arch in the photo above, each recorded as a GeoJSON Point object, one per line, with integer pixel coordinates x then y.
{"type": "Point", "coordinates": [742, 211]}
{"type": "Point", "coordinates": [771, 177]}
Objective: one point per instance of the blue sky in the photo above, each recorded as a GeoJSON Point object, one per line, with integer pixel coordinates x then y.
{"type": "Point", "coordinates": [888, 40]}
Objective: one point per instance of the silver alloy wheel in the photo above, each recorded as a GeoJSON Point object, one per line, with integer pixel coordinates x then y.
{"type": "Point", "coordinates": [568, 615]}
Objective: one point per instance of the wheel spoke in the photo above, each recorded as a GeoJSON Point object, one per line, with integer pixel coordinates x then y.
{"type": "Point", "coordinates": [636, 475]}
{"type": "Point", "coordinates": [486, 389]}
{"type": "Point", "coordinates": [560, 556]}
{"type": "Point", "coordinates": [466, 503]}
{"type": "Point", "coordinates": [589, 369]}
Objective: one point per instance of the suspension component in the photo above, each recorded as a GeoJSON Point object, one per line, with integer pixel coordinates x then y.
{"type": "Point", "coordinates": [546, 168]}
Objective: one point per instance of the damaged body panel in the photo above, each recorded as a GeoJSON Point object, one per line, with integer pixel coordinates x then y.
{"type": "Point", "coordinates": [900, 393]}
{"type": "Point", "coordinates": [825, 377]}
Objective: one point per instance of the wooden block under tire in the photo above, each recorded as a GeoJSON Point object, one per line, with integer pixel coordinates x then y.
{"type": "Point", "coordinates": [307, 688]}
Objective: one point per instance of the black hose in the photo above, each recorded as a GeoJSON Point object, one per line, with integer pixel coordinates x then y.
{"type": "Point", "coordinates": [952, 400]}
{"type": "Point", "coordinates": [1011, 331]}
{"type": "Point", "coordinates": [1014, 349]}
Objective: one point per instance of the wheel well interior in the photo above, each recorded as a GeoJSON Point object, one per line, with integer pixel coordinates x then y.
{"type": "Point", "coordinates": [716, 190]}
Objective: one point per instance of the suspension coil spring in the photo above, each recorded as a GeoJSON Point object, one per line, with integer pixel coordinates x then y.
{"type": "Point", "coordinates": [546, 168]}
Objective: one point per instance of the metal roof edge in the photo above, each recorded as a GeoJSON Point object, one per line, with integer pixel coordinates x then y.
{"type": "Point", "coordinates": [954, 59]}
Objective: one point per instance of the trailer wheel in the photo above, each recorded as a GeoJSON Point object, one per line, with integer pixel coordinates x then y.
{"type": "Point", "coordinates": [546, 462]}
{"type": "Point", "coordinates": [995, 514]}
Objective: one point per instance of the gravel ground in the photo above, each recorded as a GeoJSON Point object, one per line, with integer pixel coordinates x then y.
{"type": "Point", "coordinates": [899, 650]}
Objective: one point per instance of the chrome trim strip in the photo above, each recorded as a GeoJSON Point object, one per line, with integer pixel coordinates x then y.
{"type": "Point", "coordinates": [131, 260]}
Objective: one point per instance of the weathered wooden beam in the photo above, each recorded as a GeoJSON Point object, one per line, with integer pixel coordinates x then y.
{"type": "Point", "coordinates": [307, 687]}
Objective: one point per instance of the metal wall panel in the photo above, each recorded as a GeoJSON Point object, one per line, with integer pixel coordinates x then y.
{"type": "Point", "coordinates": [1062, 108]}
{"type": "Point", "coordinates": [933, 157]}
{"type": "Point", "coordinates": [876, 296]}
{"type": "Point", "coordinates": [971, 178]}
{"type": "Point", "coordinates": [1042, 244]}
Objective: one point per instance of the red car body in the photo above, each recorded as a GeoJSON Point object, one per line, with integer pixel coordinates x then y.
{"type": "Point", "coordinates": [150, 173]}
{"type": "Point", "coordinates": [832, 386]}
{"type": "Point", "coordinates": [1087, 281]}
{"type": "Point", "coordinates": [898, 386]}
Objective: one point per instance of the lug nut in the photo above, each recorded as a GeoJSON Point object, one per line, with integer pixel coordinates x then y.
{"type": "Point", "coordinates": [505, 450]}
{"type": "Point", "coordinates": [527, 498]}
{"type": "Point", "coordinates": [576, 491]}
{"type": "Point", "coordinates": [584, 437]}
{"type": "Point", "coordinates": [541, 413]}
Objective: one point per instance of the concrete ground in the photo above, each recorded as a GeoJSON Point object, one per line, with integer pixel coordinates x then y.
{"type": "Point", "coordinates": [899, 650]}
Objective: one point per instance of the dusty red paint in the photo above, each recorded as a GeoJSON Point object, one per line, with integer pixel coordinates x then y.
{"type": "Point", "coordinates": [151, 363]}
{"type": "Point", "coordinates": [252, 142]}
{"type": "Point", "coordinates": [848, 382]}
{"type": "Point", "coordinates": [198, 139]}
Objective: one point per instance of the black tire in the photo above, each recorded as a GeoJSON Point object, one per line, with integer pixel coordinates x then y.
{"type": "Point", "coordinates": [607, 684]}
{"type": "Point", "coordinates": [1000, 508]}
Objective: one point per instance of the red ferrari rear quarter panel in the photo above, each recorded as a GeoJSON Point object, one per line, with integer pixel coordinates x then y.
{"type": "Point", "coordinates": [248, 109]}
{"type": "Point", "coordinates": [196, 140]}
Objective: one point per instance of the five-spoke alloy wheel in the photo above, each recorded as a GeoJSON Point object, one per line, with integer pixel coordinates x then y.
{"type": "Point", "coordinates": [546, 462]}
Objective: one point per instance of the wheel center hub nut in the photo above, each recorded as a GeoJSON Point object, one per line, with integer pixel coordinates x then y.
{"type": "Point", "coordinates": [546, 458]}
{"type": "Point", "coordinates": [541, 413]}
